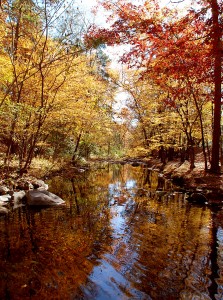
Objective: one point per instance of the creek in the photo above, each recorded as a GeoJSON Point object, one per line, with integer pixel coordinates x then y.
{"type": "Point", "coordinates": [124, 233]}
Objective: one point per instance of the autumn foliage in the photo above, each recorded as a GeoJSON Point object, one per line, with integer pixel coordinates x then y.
{"type": "Point", "coordinates": [58, 96]}
{"type": "Point", "coordinates": [180, 50]}
{"type": "Point", "coordinates": [54, 95]}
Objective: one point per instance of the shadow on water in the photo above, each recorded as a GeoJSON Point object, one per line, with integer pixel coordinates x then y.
{"type": "Point", "coordinates": [125, 233]}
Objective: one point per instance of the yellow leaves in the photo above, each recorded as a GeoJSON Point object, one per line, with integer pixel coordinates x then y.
{"type": "Point", "coordinates": [5, 69]}
{"type": "Point", "coordinates": [138, 151]}
{"type": "Point", "coordinates": [47, 88]}
{"type": "Point", "coordinates": [80, 106]}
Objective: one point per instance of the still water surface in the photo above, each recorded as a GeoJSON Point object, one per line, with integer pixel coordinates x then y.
{"type": "Point", "coordinates": [124, 233]}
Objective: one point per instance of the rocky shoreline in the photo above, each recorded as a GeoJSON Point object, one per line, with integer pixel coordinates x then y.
{"type": "Point", "coordinates": [196, 182]}
{"type": "Point", "coordinates": [201, 187]}
{"type": "Point", "coordinates": [25, 191]}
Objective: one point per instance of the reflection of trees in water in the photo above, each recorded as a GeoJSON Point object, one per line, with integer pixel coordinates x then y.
{"type": "Point", "coordinates": [216, 256]}
{"type": "Point", "coordinates": [43, 252]}
{"type": "Point", "coordinates": [117, 171]}
{"type": "Point", "coordinates": [173, 249]}
{"type": "Point", "coordinates": [171, 238]}
{"type": "Point", "coordinates": [164, 250]}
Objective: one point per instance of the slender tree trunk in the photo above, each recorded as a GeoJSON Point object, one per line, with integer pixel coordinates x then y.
{"type": "Point", "coordinates": [208, 152]}
{"type": "Point", "coordinates": [217, 83]}
{"type": "Point", "coordinates": [192, 156]}
{"type": "Point", "coordinates": [141, 119]}
{"type": "Point", "coordinates": [199, 111]}
{"type": "Point", "coordinates": [109, 148]}
{"type": "Point", "coordinates": [76, 147]}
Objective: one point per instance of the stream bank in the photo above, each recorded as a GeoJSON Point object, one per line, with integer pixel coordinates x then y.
{"type": "Point", "coordinates": [202, 187]}
{"type": "Point", "coordinates": [191, 181]}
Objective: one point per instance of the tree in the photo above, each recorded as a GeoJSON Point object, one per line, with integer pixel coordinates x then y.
{"type": "Point", "coordinates": [81, 116]}
{"type": "Point", "coordinates": [39, 64]}
{"type": "Point", "coordinates": [165, 43]}
{"type": "Point", "coordinates": [217, 54]}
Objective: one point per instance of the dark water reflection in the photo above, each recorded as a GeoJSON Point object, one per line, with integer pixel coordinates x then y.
{"type": "Point", "coordinates": [125, 233]}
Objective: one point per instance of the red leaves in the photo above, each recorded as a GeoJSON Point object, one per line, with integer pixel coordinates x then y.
{"type": "Point", "coordinates": [98, 36]}
{"type": "Point", "coordinates": [169, 44]}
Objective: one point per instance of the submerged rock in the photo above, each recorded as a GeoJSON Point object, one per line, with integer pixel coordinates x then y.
{"type": "Point", "coordinates": [178, 180]}
{"type": "Point", "coordinates": [197, 198]}
{"type": "Point", "coordinates": [43, 198]}
{"type": "Point", "coordinates": [161, 193]}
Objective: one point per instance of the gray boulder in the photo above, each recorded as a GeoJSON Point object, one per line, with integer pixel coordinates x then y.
{"type": "Point", "coordinates": [43, 198]}
{"type": "Point", "coordinates": [4, 200]}
{"type": "Point", "coordinates": [2, 203]}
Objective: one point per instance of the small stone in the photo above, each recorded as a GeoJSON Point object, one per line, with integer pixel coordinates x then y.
{"type": "Point", "coordinates": [3, 190]}
{"type": "Point", "coordinates": [39, 184]}
{"type": "Point", "coordinates": [24, 185]}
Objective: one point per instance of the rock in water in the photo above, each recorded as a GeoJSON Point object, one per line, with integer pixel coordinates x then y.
{"type": "Point", "coordinates": [198, 198]}
{"type": "Point", "coordinates": [43, 198]}
{"type": "Point", "coordinates": [18, 196]}
{"type": "Point", "coordinates": [5, 198]}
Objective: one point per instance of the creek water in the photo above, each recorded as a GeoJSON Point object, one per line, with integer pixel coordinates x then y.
{"type": "Point", "coordinates": [124, 233]}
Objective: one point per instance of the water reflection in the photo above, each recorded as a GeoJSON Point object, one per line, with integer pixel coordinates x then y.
{"type": "Point", "coordinates": [125, 233]}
